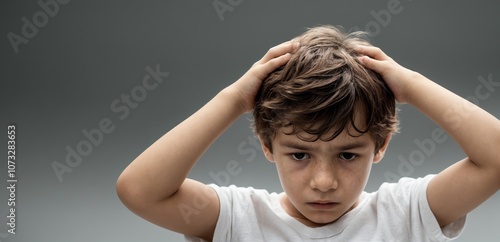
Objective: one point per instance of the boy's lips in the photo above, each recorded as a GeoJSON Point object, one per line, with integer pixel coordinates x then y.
{"type": "Point", "coordinates": [323, 205]}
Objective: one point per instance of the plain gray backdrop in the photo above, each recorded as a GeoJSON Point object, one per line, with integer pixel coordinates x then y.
{"type": "Point", "coordinates": [67, 76]}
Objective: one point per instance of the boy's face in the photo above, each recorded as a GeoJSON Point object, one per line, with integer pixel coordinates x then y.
{"type": "Point", "coordinates": [323, 179]}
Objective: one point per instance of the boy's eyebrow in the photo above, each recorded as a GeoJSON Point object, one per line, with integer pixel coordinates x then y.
{"type": "Point", "coordinates": [348, 146]}
{"type": "Point", "coordinates": [294, 145]}
{"type": "Point", "coordinates": [353, 145]}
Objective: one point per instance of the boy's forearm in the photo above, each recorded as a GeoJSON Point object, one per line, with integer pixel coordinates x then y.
{"type": "Point", "coordinates": [475, 130]}
{"type": "Point", "coordinates": [159, 171]}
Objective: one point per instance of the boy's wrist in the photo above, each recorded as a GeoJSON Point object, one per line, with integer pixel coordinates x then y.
{"type": "Point", "coordinates": [412, 90]}
{"type": "Point", "coordinates": [232, 98]}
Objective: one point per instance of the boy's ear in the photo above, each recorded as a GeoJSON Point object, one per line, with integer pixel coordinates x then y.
{"type": "Point", "coordinates": [380, 153]}
{"type": "Point", "coordinates": [267, 153]}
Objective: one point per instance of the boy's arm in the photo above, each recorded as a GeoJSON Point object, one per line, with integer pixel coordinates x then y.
{"type": "Point", "coordinates": [465, 185]}
{"type": "Point", "coordinates": [154, 185]}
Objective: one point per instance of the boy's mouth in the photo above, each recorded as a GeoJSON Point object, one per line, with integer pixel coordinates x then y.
{"type": "Point", "coordinates": [323, 205]}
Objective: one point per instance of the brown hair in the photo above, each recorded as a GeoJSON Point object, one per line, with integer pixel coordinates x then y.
{"type": "Point", "coordinates": [321, 88]}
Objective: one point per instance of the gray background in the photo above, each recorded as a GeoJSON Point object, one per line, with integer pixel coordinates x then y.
{"type": "Point", "coordinates": [66, 77]}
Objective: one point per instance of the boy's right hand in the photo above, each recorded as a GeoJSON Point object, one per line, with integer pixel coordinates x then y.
{"type": "Point", "coordinates": [245, 89]}
{"type": "Point", "coordinates": [154, 185]}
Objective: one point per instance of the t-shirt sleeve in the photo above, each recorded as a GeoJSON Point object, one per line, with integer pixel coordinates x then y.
{"type": "Point", "coordinates": [234, 204]}
{"type": "Point", "coordinates": [230, 200]}
{"type": "Point", "coordinates": [411, 197]}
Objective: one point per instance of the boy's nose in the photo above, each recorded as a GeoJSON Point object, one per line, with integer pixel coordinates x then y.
{"type": "Point", "coordinates": [324, 178]}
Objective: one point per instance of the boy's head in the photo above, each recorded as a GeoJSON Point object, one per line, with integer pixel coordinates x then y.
{"type": "Point", "coordinates": [324, 119]}
{"type": "Point", "coordinates": [321, 89]}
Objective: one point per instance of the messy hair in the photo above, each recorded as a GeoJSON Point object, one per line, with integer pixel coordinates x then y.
{"type": "Point", "coordinates": [320, 90]}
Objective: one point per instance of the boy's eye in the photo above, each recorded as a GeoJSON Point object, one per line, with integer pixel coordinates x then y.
{"type": "Point", "coordinates": [300, 156]}
{"type": "Point", "coordinates": [347, 156]}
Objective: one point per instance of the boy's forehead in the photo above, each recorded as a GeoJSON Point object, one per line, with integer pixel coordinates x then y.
{"type": "Point", "coordinates": [348, 135]}
{"type": "Point", "coordinates": [359, 121]}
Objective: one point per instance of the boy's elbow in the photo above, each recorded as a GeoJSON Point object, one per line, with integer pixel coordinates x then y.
{"type": "Point", "coordinates": [122, 189]}
{"type": "Point", "coordinates": [126, 191]}
{"type": "Point", "coordinates": [497, 144]}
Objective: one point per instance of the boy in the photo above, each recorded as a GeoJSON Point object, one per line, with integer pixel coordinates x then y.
{"type": "Point", "coordinates": [324, 110]}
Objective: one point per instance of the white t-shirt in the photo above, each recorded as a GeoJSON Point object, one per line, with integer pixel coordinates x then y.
{"type": "Point", "coordinates": [396, 212]}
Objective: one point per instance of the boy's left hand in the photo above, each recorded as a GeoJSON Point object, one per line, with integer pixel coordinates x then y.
{"type": "Point", "coordinates": [460, 188]}
{"type": "Point", "coordinates": [396, 76]}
